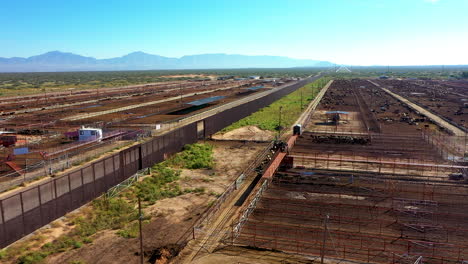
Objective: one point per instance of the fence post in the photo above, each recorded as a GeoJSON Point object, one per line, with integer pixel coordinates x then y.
{"type": "Point", "coordinates": [82, 186]}
{"type": "Point", "coordinates": [94, 179]}
{"type": "Point", "coordinates": [22, 211]}
{"type": "Point", "coordinates": [55, 198]}
{"type": "Point", "coordinates": [106, 180]}
{"type": "Point", "coordinates": [2, 212]}
{"type": "Point", "coordinates": [40, 203]}
{"type": "Point", "coordinates": [70, 191]}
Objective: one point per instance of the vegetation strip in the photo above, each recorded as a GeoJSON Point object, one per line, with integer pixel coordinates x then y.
{"type": "Point", "coordinates": [292, 105]}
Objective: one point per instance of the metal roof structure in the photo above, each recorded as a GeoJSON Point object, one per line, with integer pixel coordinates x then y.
{"type": "Point", "coordinates": [255, 88]}
{"type": "Point", "coordinates": [337, 112]}
{"type": "Point", "coordinates": [206, 100]}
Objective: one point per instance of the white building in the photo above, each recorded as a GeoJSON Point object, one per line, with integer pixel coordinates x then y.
{"type": "Point", "coordinates": [88, 134]}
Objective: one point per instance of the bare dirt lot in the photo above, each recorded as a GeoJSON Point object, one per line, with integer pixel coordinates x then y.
{"type": "Point", "coordinates": [247, 133]}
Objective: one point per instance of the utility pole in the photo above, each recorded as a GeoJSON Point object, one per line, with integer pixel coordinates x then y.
{"type": "Point", "coordinates": [279, 122]}
{"type": "Point", "coordinates": [140, 216]}
{"type": "Point", "coordinates": [302, 106]}
{"type": "Point", "coordinates": [322, 254]}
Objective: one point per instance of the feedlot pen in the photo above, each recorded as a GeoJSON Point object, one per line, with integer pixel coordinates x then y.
{"type": "Point", "coordinates": [371, 188]}
{"type": "Point", "coordinates": [363, 218]}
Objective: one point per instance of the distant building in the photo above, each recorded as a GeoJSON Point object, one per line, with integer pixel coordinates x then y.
{"type": "Point", "coordinates": [223, 78]}
{"type": "Point", "coordinates": [89, 134]}
{"type": "Point", "coordinates": [255, 77]}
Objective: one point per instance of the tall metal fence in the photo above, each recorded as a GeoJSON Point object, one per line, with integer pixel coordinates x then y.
{"type": "Point", "coordinates": [24, 212]}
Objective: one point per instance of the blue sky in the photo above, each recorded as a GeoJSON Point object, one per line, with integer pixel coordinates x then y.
{"type": "Point", "coordinates": [359, 32]}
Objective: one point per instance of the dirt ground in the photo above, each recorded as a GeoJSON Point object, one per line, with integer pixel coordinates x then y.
{"type": "Point", "coordinates": [248, 133]}
{"type": "Point", "coordinates": [170, 218]}
{"type": "Point", "coordinates": [240, 255]}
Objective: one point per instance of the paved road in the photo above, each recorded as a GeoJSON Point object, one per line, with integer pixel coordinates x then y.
{"type": "Point", "coordinates": [435, 118]}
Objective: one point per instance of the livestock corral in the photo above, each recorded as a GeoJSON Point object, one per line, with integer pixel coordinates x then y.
{"type": "Point", "coordinates": [448, 99]}
{"type": "Point", "coordinates": [38, 130]}
{"type": "Point", "coordinates": [366, 181]}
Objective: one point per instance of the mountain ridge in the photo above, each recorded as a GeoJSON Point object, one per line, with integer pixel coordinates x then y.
{"type": "Point", "coordinates": [138, 60]}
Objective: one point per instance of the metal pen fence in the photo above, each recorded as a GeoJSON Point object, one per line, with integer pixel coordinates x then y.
{"type": "Point", "coordinates": [67, 159]}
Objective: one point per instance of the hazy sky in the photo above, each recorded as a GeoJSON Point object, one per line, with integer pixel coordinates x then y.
{"type": "Point", "coordinates": [360, 32]}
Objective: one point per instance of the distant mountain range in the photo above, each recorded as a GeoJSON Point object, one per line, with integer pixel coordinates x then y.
{"type": "Point", "coordinates": [64, 61]}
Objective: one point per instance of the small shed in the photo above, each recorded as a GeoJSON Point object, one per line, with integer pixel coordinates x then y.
{"type": "Point", "coordinates": [206, 100]}
{"type": "Point", "coordinates": [89, 134]}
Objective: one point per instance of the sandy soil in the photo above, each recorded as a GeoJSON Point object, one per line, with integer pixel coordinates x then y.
{"type": "Point", "coordinates": [248, 133]}
{"type": "Point", "coordinates": [170, 219]}
{"type": "Point", "coordinates": [240, 255]}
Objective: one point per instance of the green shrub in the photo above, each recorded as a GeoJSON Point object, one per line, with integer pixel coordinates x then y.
{"type": "Point", "coordinates": [159, 185]}
{"type": "Point", "coordinates": [111, 213]}
{"type": "Point", "coordinates": [114, 213]}
{"type": "Point", "coordinates": [87, 240]}
{"type": "Point", "coordinates": [130, 231]}
{"type": "Point", "coordinates": [32, 258]}
{"type": "Point", "coordinates": [195, 190]}
{"type": "Point", "coordinates": [194, 156]}
{"type": "Point", "coordinates": [77, 244]}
